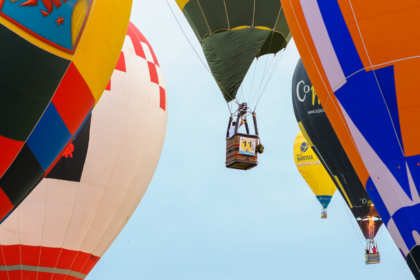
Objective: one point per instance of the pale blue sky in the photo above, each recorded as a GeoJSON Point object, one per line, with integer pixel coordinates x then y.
{"type": "Point", "coordinates": [201, 221]}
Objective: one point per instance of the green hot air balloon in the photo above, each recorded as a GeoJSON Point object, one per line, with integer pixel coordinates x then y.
{"type": "Point", "coordinates": [234, 32]}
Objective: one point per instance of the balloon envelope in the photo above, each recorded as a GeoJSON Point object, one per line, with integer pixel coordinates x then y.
{"type": "Point", "coordinates": [55, 61]}
{"type": "Point", "coordinates": [316, 127]}
{"type": "Point", "coordinates": [72, 217]}
{"type": "Point", "coordinates": [232, 33]}
{"type": "Point", "coordinates": [365, 83]}
{"type": "Point", "coordinates": [313, 171]}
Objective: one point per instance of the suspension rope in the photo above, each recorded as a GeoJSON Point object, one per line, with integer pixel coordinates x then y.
{"type": "Point", "coordinates": [262, 80]}
{"type": "Point", "coordinates": [266, 70]}
{"type": "Point", "coordinates": [205, 66]}
{"type": "Point", "coordinates": [233, 99]}
{"type": "Point", "coordinates": [269, 78]}
{"type": "Point", "coordinates": [382, 234]}
{"type": "Point", "coordinates": [352, 224]}
{"type": "Point", "coordinates": [253, 76]}
{"type": "Point", "coordinates": [414, 261]}
{"type": "Point", "coordinates": [334, 200]}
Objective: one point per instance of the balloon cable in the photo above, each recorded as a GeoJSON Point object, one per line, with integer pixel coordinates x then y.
{"type": "Point", "coordinates": [352, 224]}
{"type": "Point", "coordinates": [262, 79]}
{"type": "Point", "coordinates": [333, 203]}
{"type": "Point", "coordinates": [200, 57]}
{"type": "Point", "coordinates": [269, 78]}
{"type": "Point", "coordinates": [253, 77]}
{"type": "Point", "coordinates": [275, 66]}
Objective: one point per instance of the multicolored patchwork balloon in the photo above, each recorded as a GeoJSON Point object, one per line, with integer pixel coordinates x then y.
{"type": "Point", "coordinates": [69, 221]}
{"type": "Point", "coordinates": [56, 58]}
{"type": "Point", "coordinates": [366, 84]}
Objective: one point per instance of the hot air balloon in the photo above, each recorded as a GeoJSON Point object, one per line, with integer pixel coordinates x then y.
{"type": "Point", "coordinates": [56, 58]}
{"type": "Point", "coordinates": [313, 172]}
{"type": "Point", "coordinates": [232, 35]}
{"type": "Point", "coordinates": [314, 124]}
{"type": "Point", "coordinates": [365, 84]}
{"type": "Point", "coordinates": [67, 223]}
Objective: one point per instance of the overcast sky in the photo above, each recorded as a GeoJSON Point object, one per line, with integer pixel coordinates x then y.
{"type": "Point", "coordinates": [199, 220]}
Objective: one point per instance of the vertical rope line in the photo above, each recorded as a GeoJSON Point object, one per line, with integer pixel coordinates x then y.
{"type": "Point", "coordinates": [43, 226]}
{"type": "Point", "coordinates": [222, 88]}
{"type": "Point", "coordinates": [325, 85]}
{"type": "Point", "coordinates": [20, 247]}
{"type": "Point", "coordinates": [193, 25]}
{"type": "Point", "coordinates": [376, 78]}
{"type": "Point", "coordinates": [253, 77]}
{"type": "Point", "coordinates": [204, 16]}
{"type": "Point", "coordinates": [352, 224]}
{"type": "Point", "coordinates": [227, 16]}
{"type": "Point", "coordinates": [382, 234]}
{"type": "Point", "coordinates": [269, 78]}
{"type": "Point", "coordinates": [411, 255]}
{"type": "Point", "coordinates": [253, 15]}
{"type": "Point", "coordinates": [278, 16]}
{"type": "Point", "coordinates": [384, 100]}
{"type": "Point", "coordinates": [264, 72]}
{"type": "Point", "coordinates": [4, 260]}
{"type": "Point", "coordinates": [67, 230]}
{"type": "Point", "coordinates": [333, 202]}
{"type": "Point", "coordinates": [275, 65]}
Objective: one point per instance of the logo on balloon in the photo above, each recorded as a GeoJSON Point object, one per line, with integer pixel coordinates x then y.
{"type": "Point", "coordinates": [304, 147]}
{"type": "Point", "coordinates": [306, 89]}
{"type": "Point", "coordinates": [69, 151]}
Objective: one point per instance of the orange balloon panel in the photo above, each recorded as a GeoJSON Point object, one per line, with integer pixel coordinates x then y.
{"type": "Point", "coordinates": [72, 217]}
{"type": "Point", "coordinates": [363, 58]}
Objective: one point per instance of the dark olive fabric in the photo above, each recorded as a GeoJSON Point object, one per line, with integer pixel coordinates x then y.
{"type": "Point", "coordinates": [230, 54]}
{"type": "Point", "coordinates": [215, 14]}
{"type": "Point", "coordinates": [240, 12]}
{"type": "Point", "coordinates": [196, 19]}
{"type": "Point", "coordinates": [210, 16]}
{"type": "Point", "coordinates": [273, 44]}
{"type": "Point", "coordinates": [233, 32]}
{"type": "Point", "coordinates": [266, 13]}
{"type": "Point", "coordinates": [281, 25]}
{"type": "Point", "coordinates": [311, 115]}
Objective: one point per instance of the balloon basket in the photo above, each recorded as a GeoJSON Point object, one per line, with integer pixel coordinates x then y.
{"type": "Point", "coordinates": [241, 151]}
{"type": "Point", "coordinates": [324, 214]}
{"type": "Point", "coordinates": [372, 258]}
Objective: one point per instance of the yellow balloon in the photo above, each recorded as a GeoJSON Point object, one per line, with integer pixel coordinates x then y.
{"type": "Point", "coordinates": [312, 170]}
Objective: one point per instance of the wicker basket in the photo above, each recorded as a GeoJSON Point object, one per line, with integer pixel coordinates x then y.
{"type": "Point", "coordinates": [234, 156]}
{"type": "Point", "coordinates": [372, 258]}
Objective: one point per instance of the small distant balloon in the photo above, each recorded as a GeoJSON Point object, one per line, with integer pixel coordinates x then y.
{"type": "Point", "coordinates": [314, 173]}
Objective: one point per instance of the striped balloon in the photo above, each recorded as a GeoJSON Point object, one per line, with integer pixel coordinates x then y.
{"type": "Point", "coordinates": [366, 81]}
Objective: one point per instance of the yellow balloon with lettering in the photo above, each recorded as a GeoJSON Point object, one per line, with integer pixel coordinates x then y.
{"type": "Point", "coordinates": [312, 170]}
